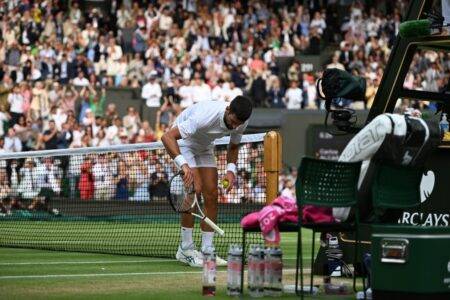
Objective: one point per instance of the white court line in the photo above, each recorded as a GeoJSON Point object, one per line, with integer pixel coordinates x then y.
{"type": "Point", "coordinates": [95, 262]}
{"type": "Point", "coordinates": [286, 271]}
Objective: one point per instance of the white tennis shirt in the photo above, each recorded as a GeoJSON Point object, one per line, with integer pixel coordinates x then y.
{"type": "Point", "coordinates": [202, 123]}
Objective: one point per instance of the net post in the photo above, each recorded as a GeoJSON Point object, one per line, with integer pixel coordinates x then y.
{"type": "Point", "coordinates": [272, 163]}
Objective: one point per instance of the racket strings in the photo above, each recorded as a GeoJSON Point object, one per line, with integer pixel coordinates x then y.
{"type": "Point", "coordinates": [182, 197]}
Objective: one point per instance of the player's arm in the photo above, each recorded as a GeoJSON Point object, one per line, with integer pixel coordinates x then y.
{"type": "Point", "coordinates": [232, 156]}
{"type": "Point", "coordinates": [169, 140]}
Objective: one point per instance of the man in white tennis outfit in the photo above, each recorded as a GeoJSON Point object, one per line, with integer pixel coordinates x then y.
{"type": "Point", "coordinates": [198, 126]}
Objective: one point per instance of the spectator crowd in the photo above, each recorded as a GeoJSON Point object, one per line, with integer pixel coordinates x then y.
{"type": "Point", "coordinates": [59, 58]}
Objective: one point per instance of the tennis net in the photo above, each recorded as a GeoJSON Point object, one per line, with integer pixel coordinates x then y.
{"type": "Point", "coordinates": [114, 199]}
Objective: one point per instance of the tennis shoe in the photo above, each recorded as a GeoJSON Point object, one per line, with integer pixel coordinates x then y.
{"type": "Point", "coordinates": [189, 256]}
{"type": "Point", "coordinates": [220, 262]}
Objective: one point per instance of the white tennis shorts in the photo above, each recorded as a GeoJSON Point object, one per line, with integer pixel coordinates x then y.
{"type": "Point", "coordinates": [199, 159]}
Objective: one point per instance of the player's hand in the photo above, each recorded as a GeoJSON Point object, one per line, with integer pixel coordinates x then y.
{"type": "Point", "coordinates": [229, 179]}
{"type": "Point", "coordinates": [188, 176]}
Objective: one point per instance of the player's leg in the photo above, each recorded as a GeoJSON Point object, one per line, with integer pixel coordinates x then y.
{"type": "Point", "coordinates": [187, 220]}
{"type": "Point", "coordinates": [210, 195]}
{"type": "Point", "coordinates": [187, 252]}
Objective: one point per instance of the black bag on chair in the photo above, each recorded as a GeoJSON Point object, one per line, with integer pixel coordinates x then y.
{"type": "Point", "coordinates": [338, 87]}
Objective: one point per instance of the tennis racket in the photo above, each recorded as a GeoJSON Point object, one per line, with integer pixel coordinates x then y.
{"type": "Point", "coordinates": [184, 200]}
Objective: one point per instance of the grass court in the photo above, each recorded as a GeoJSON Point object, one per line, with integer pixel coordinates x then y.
{"type": "Point", "coordinates": [41, 274]}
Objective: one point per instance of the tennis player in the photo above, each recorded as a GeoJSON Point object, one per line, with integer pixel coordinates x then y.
{"type": "Point", "coordinates": [199, 125]}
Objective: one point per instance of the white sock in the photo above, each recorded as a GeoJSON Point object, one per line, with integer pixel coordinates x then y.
{"type": "Point", "coordinates": [207, 239]}
{"type": "Point", "coordinates": [186, 237]}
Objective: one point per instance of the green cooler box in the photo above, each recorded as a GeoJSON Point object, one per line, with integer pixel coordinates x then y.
{"type": "Point", "coordinates": [410, 262]}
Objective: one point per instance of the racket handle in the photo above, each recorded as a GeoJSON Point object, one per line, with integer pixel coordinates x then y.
{"type": "Point", "coordinates": [214, 226]}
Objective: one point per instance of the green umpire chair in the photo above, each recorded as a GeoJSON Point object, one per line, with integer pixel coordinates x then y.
{"type": "Point", "coordinates": [326, 183]}
{"type": "Point", "coordinates": [395, 187]}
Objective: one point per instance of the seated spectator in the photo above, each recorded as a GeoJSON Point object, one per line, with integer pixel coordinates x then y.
{"type": "Point", "coordinates": [200, 90]}
{"type": "Point", "coordinates": [16, 102]}
{"type": "Point", "coordinates": [186, 94]}
{"type": "Point", "coordinates": [147, 133]}
{"type": "Point", "coordinates": [231, 92]}
{"type": "Point", "coordinates": [23, 130]}
{"type": "Point", "coordinates": [80, 80]}
{"type": "Point", "coordinates": [100, 139]}
{"type": "Point", "coordinates": [132, 121]}
{"type": "Point", "coordinates": [139, 175]}
{"type": "Point", "coordinates": [68, 99]}
{"type": "Point", "coordinates": [110, 113]}
{"type": "Point", "coordinates": [258, 92]}
{"type": "Point", "coordinates": [50, 137]}
{"type": "Point", "coordinates": [40, 106]}
{"type": "Point", "coordinates": [151, 91]}
{"type": "Point", "coordinates": [12, 142]}
{"type": "Point", "coordinates": [65, 137]}
{"type": "Point", "coordinates": [123, 137]}
{"type": "Point", "coordinates": [48, 178]}
{"type": "Point", "coordinates": [276, 95]}
{"type": "Point", "coordinates": [165, 115]}
{"type": "Point", "coordinates": [5, 187]}
{"type": "Point", "coordinates": [159, 184]}
{"type": "Point", "coordinates": [318, 23]}
{"type": "Point", "coordinates": [294, 96]}
{"type": "Point", "coordinates": [112, 132]}
{"type": "Point", "coordinates": [104, 187]}
{"type": "Point", "coordinates": [121, 181]}
{"type": "Point", "coordinates": [97, 103]}
{"type": "Point", "coordinates": [86, 183]}
{"type": "Point", "coordinates": [28, 180]}
{"type": "Point", "coordinates": [57, 115]}
{"type": "Point", "coordinates": [294, 71]}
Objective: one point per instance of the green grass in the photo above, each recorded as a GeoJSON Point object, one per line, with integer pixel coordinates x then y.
{"type": "Point", "coordinates": [40, 274]}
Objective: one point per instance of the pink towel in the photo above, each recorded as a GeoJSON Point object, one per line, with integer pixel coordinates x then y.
{"type": "Point", "coordinates": [284, 209]}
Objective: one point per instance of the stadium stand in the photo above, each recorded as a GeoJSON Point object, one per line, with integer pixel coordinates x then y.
{"type": "Point", "coordinates": [57, 58]}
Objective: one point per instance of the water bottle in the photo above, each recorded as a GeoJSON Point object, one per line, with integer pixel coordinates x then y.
{"type": "Point", "coordinates": [209, 272]}
{"type": "Point", "coordinates": [256, 271]}
{"type": "Point", "coordinates": [334, 256]}
{"type": "Point", "coordinates": [443, 124]}
{"type": "Point", "coordinates": [268, 272]}
{"type": "Point", "coordinates": [234, 270]}
{"type": "Point", "coordinates": [276, 260]}
{"type": "Point", "coordinates": [260, 269]}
